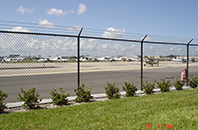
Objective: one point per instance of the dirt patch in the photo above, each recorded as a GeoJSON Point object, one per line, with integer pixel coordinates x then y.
{"type": "Point", "coordinates": [48, 106]}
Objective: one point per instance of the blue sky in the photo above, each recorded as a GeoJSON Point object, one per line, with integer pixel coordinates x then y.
{"type": "Point", "coordinates": [175, 18]}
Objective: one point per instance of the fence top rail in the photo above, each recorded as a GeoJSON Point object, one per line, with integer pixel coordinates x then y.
{"type": "Point", "coordinates": [171, 43]}
{"type": "Point", "coordinates": [112, 39]}
{"type": "Point", "coordinates": [101, 38]}
{"type": "Point", "coordinates": [31, 33]}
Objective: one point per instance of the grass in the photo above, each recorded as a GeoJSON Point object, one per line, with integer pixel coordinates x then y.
{"type": "Point", "coordinates": [178, 108]}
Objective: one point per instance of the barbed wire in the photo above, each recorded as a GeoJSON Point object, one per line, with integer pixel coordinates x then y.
{"type": "Point", "coordinates": [74, 30]}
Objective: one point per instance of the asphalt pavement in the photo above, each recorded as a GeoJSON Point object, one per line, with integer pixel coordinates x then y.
{"type": "Point", "coordinates": [46, 78]}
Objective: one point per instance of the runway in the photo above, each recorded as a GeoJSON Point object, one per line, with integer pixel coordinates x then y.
{"type": "Point", "coordinates": [96, 75]}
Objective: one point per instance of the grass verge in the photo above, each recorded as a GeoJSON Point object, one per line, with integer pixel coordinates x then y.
{"type": "Point", "coordinates": [178, 108]}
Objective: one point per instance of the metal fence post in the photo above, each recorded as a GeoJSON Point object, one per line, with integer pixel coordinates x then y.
{"type": "Point", "coordinates": [188, 61]}
{"type": "Point", "coordinates": [142, 60]}
{"type": "Point", "coordinates": [78, 52]}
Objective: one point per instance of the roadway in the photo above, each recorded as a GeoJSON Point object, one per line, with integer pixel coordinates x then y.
{"type": "Point", "coordinates": [96, 75]}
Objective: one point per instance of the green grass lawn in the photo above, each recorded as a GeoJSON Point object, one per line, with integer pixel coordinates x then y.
{"type": "Point", "coordinates": [178, 109]}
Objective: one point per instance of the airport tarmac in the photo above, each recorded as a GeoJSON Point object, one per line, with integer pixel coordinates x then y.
{"type": "Point", "coordinates": [48, 76]}
{"type": "Point", "coordinates": [17, 69]}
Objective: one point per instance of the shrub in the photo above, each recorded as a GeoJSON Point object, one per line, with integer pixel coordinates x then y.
{"type": "Point", "coordinates": [31, 100]}
{"type": "Point", "coordinates": [82, 95]}
{"type": "Point", "coordinates": [59, 98]}
{"type": "Point", "coordinates": [148, 87]}
{"type": "Point", "coordinates": [178, 84]}
{"type": "Point", "coordinates": [3, 96]}
{"type": "Point", "coordinates": [130, 89]}
{"type": "Point", "coordinates": [164, 86]}
{"type": "Point", "coordinates": [193, 82]}
{"type": "Point", "coordinates": [112, 91]}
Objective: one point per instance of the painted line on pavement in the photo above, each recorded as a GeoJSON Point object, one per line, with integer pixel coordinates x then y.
{"type": "Point", "coordinates": [84, 71]}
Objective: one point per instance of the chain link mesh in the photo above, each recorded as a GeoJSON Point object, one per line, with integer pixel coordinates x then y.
{"type": "Point", "coordinates": [43, 62]}
{"type": "Point", "coordinates": [112, 61]}
{"type": "Point", "coordinates": [47, 61]}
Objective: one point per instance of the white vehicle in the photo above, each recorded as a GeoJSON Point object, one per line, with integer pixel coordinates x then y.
{"type": "Point", "coordinates": [179, 60]}
{"type": "Point", "coordinates": [193, 60]}
{"type": "Point", "coordinates": [176, 60]}
{"type": "Point", "coordinates": [132, 59]}
{"type": "Point", "coordinates": [99, 59]}
{"type": "Point", "coordinates": [43, 60]}
{"type": "Point", "coordinates": [16, 59]}
{"type": "Point", "coordinates": [6, 59]}
{"type": "Point", "coordinates": [53, 59]}
{"type": "Point", "coordinates": [62, 59]}
{"type": "Point", "coordinates": [50, 59]}
{"type": "Point", "coordinates": [115, 59]}
{"type": "Point", "coordinates": [81, 59]}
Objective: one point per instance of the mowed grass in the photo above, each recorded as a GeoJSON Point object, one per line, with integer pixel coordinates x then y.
{"type": "Point", "coordinates": [178, 109]}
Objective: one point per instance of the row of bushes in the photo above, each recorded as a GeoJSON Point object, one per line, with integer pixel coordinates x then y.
{"type": "Point", "coordinates": [31, 99]}
{"type": "Point", "coordinates": [113, 92]}
{"type": "Point", "coordinates": [164, 86]}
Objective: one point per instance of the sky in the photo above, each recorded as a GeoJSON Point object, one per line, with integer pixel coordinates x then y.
{"type": "Point", "coordinates": [159, 19]}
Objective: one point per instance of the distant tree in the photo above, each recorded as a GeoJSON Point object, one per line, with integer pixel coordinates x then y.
{"type": "Point", "coordinates": [82, 56]}
{"type": "Point", "coordinates": [72, 57]}
{"type": "Point", "coordinates": [139, 56]}
{"type": "Point", "coordinates": [171, 56]}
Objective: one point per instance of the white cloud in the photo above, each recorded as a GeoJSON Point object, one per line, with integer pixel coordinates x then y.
{"type": "Point", "coordinates": [57, 12]}
{"type": "Point", "coordinates": [74, 28]}
{"type": "Point", "coordinates": [132, 46]}
{"type": "Point", "coordinates": [113, 33]}
{"type": "Point", "coordinates": [81, 8]}
{"type": "Point", "coordinates": [77, 27]}
{"type": "Point", "coordinates": [19, 29]}
{"type": "Point", "coordinates": [106, 46]}
{"type": "Point", "coordinates": [46, 24]}
{"type": "Point", "coordinates": [150, 49]}
{"type": "Point", "coordinates": [71, 11]}
{"type": "Point", "coordinates": [117, 46]}
{"type": "Point", "coordinates": [177, 50]}
{"type": "Point", "coordinates": [22, 10]}
{"type": "Point", "coordinates": [125, 8]}
{"type": "Point", "coordinates": [26, 45]}
{"type": "Point", "coordinates": [92, 40]}
{"type": "Point", "coordinates": [71, 29]}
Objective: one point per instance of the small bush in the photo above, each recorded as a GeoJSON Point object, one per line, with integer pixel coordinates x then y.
{"type": "Point", "coordinates": [148, 87]}
{"type": "Point", "coordinates": [82, 95]}
{"type": "Point", "coordinates": [164, 86]}
{"type": "Point", "coordinates": [178, 84]}
{"type": "Point", "coordinates": [31, 100]}
{"type": "Point", "coordinates": [193, 82]}
{"type": "Point", "coordinates": [130, 89]}
{"type": "Point", "coordinates": [59, 98]}
{"type": "Point", "coordinates": [3, 96]}
{"type": "Point", "coordinates": [112, 91]}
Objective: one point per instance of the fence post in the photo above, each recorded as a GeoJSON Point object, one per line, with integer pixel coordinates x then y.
{"type": "Point", "coordinates": [78, 52]}
{"type": "Point", "coordinates": [187, 61]}
{"type": "Point", "coordinates": [142, 60]}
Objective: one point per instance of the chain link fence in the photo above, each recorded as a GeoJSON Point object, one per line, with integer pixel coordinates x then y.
{"type": "Point", "coordinates": [110, 63]}
{"type": "Point", "coordinates": [67, 57]}
{"type": "Point", "coordinates": [43, 62]}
